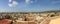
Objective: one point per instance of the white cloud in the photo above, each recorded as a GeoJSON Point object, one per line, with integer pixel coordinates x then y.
{"type": "Point", "coordinates": [10, 5]}
{"type": "Point", "coordinates": [13, 4]}
{"type": "Point", "coordinates": [27, 1]}
{"type": "Point", "coordinates": [30, 1]}
{"type": "Point", "coordinates": [10, 0]}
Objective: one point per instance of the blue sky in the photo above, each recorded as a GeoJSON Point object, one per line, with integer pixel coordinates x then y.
{"type": "Point", "coordinates": [29, 5]}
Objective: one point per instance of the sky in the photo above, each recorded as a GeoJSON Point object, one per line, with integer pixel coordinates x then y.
{"type": "Point", "coordinates": [29, 5]}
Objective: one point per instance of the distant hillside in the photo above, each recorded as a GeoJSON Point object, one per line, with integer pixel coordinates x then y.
{"type": "Point", "coordinates": [34, 12]}
{"type": "Point", "coordinates": [52, 11]}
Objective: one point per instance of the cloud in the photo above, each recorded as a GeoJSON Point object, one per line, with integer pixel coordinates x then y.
{"type": "Point", "coordinates": [10, 0]}
{"type": "Point", "coordinates": [10, 5]}
{"type": "Point", "coordinates": [13, 4]}
{"type": "Point", "coordinates": [28, 1]}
